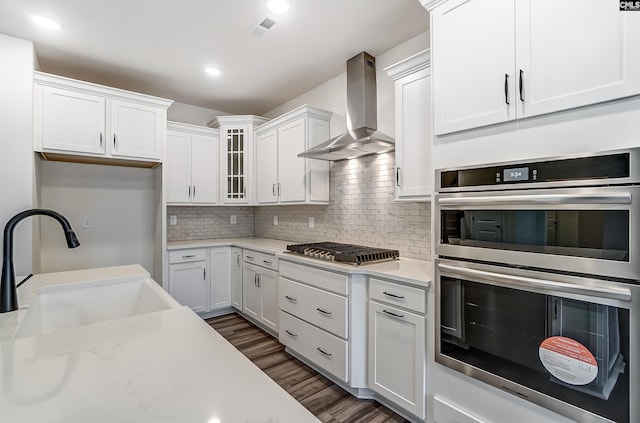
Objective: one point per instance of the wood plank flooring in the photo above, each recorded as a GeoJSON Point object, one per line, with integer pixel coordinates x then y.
{"type": "Point", "coordinates": [329, 402]}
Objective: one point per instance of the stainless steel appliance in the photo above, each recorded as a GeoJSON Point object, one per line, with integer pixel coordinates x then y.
{"type": "Point", "coordinates": [346, 253]}
{"type": "Point", "coordinates": [537, 281]}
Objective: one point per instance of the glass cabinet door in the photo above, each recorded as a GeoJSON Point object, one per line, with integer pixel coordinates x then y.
{"type": "Point", "coordinates": [236, 146]}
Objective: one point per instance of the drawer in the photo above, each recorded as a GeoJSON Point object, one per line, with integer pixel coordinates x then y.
{"type": "Point", "coordinates": [269, 261]}
{"type": "Point", "coordinates": [399, 295]}
{"type": "Point", "coordinates": [323, 279]}
{"type": "Point", "coordinates": [444, 412]}
{"type": "Point", "coordinates": [185, 256]}
{"type": "Point", "coordinates": [321, 308]}
{"type": "Point", "coordinates": [325, 350]}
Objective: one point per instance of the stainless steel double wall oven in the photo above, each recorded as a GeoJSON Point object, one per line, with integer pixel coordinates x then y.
{"type": "Point", "coordinates": [538, 270]}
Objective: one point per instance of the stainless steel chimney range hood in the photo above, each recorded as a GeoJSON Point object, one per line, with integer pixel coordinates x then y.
{"type": "Point", "coordinates": [362, 137]}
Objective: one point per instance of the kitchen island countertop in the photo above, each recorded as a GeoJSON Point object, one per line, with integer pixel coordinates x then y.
{"type": "Point", "coordinates": [162, 366]}
{"type": "Point", "coordinates": [406, 270]}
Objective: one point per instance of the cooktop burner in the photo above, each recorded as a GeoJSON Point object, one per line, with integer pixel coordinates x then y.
{"type": "Point", "coordinates": [348, 253]}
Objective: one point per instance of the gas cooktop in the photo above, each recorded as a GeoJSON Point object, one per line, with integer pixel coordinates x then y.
{"type": "Point", "coordinates": [346, 253]}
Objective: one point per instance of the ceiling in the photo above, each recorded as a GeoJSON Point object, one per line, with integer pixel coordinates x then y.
{"type": "Point", "coordinates": [161, 47]}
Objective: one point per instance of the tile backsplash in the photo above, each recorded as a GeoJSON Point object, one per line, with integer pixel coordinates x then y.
{"type": "Point", "coordinates": [362, 211]}
{"type": "Point", "coordinates": [195, 222]}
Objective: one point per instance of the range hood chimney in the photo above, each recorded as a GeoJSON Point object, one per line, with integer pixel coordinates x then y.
{"type": "Point", "coordinates": [362, 137]}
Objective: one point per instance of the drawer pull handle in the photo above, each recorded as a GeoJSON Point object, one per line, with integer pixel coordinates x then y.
{"type": "Point", "coordinates": [249, 257]}
{"type": "Point", "coordinates": [388, 294]}
{"type": "Point", "coordinates": [291, 334]}
{"type": "Point", "coordinates": [267, 262]}
{"type": "Point", "coordinates": [390, 313]}
{"type": "Point", "coordinates": [293, 300]}
{"type": "Point", "coordinates": [189, 256]}
{"type": "Point", "coordinates": [325, 312]}
{"type": "Point", "coordinates": [324, 352]}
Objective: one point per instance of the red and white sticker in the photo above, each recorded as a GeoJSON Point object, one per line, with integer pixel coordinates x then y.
{"type": "Point", "coordinates": [568, 360]}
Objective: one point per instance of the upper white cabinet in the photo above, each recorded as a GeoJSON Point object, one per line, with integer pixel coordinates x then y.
{"type": "Point", "coordinates": [237, 157]}
{"type": "Point", "coordinates": [412, 78]}
{"type": "Point", "coordinates": [84, 122]}
{"type": "Point", "coordinates": [500, 60]}
{"type": "Point", "coordinates": [283, 177]}
{"type": "Point", "coordinates": [191, 164]}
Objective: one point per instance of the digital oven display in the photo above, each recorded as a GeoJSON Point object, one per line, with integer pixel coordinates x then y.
{"type": "Point", "coordinates": [516, 174]}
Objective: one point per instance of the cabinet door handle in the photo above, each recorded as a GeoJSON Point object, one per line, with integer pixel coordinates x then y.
{"type": "Point", "coordinates": [114, 142]}
{"type": "Point", "coordinates": [238, 260]}
{"type": "Point", "coordinates": [397, 176]}
{"type": "Point", "coordinates": [389, 294]}
{"type": "Point", "coordinates": [279, 190]}
{"type": "Point", "coordinates": [189, 191]}
{"type": "Point", "coordinates": [100, 139]}
{"type": "Point", "coordinates": [324, 352]}
{"type": "Point", "coordinates": [189, 256]}
{"type": "Point", "coordinates": [273, 189]}
{"type": "Point", "coordinates": [267, 262]}
{"type": "Point", "coordinates": [325, 312]}
{"type": "Point", "coordinates": [291, 334]}
{"type": "Point", "coordinates": [506, 88]}
{"type": "Point", "coordinates": [293, 300]}
{"type": "Point", "coordinates": [204, 273]}
{"type": "Point", "coordinates": [390, 313]}
{"type": "Point", "coordinates": [520, 84]}
{"type": "Point", "coordinates": [194, 191]}
{"type": "Point", "coordinates": [259, 280]}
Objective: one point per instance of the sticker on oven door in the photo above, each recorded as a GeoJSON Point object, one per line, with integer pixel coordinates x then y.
{"type": "Point", "coordinates": [568, 360]}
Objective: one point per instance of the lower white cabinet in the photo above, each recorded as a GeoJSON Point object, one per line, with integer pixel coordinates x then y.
{"type": "Point", "coordinates": [201, 278]}
{"type": "Point", "coordinates": [396, 344]}
{"type": "Point", "coordinates": [236, 278]}
{"type": "Point", "coordinates": [189, 278]}
{"type": "Point", "coordinates": [445, 412]}
{"type": "Point", "coordinates": [260, 289]}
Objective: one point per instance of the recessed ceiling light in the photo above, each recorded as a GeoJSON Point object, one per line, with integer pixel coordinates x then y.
{"type": "Point", "coordinates": [45, 22]}
{"type": "Point", "coordinates": [213, 71]}
{"type": "Point", "coordinates": [278, 6]}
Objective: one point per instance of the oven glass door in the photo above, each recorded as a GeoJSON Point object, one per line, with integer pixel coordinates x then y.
{"type": "Point", "coordinates": [538, 338]}
{"type": "Point", "coordinates": [580, 230]}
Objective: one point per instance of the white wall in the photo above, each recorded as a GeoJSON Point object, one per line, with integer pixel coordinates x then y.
{"type": "Point", "coordinates": [121, 202]}
{"type": "Point", "coordinates": [194, 115]}
{"type": "Point", "coordinates": [16, 138]}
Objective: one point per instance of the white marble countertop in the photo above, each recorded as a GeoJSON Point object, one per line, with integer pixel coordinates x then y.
{"type": "Point", "coordinates": [409, 271]}
{"type": "Point", "coordinates": [163, 366]}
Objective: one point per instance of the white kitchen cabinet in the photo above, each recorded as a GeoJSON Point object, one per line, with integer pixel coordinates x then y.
{"type": "Point", "coordinates": [84, 122]}
{"type": "Point", "coordinates": [323, 321]}
{"type": "Point", "coordinates": [192, 164]}
{"type": "Point", "coordinates": [189, 278]}
{"type": "Point", "coordinates": [283, 177]}
{"type": "Point", "coordinates": [260, 289]}
{"type": "Point", "coordinates": [236, 278]}
{"type": "Point", "coordinates": [396, 344]}
{"type": "Point", "coordinates": [237, 151]}
{"type": "Point", "coordinates": [538, 57]}
{"type": "Point", "coordinates": [414, 175]}
{"type": "Point", "coordinates": [221, 276]}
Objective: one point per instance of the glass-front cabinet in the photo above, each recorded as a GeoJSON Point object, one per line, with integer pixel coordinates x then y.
{"type": "Point", "coordinates": [237, 148]}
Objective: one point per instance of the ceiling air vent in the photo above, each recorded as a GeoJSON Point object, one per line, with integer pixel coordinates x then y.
{"type": "Point", "coordinates": [263, 26]}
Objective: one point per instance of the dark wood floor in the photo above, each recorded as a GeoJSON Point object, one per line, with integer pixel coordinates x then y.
{"type": "Point", "coordinates": [318, 394]}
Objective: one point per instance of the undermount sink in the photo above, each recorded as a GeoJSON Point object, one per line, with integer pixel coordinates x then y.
{"type": "Point", "coordinates": [80, 304]}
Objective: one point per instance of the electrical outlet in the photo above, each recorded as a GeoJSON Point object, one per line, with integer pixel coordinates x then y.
{"type": "Point", "coordinates": [312, 222]}
{"type": "Point", "coordinates": [173, 219]}
{"type": "Point", "coordinates": [233, 219]}
{"type": "Point", "coordinates": [275, 220]}
{"type": "Point", "coordinates": [87, 222]}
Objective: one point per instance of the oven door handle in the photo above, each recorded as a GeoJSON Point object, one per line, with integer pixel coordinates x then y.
{"type": "Point", "coordinates": [537, 199]}
{"type": "Point", "coordinates": [507, 280]}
